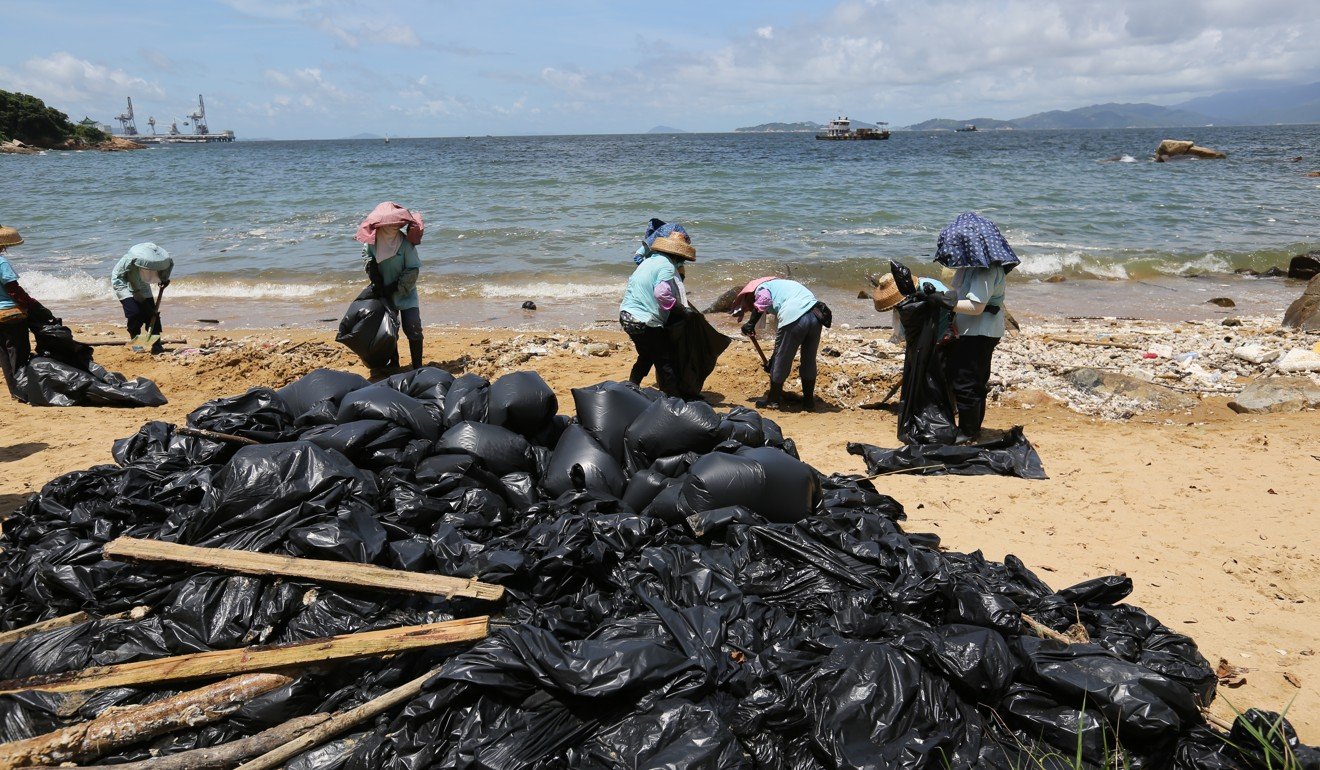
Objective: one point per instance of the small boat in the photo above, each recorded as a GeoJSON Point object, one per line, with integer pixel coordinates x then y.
{"type": "Point", "coordinates": [968, 127]}
{"type": "Point", "coordinates": [840, 129]}
{"type": "Point", "coordinates": [387, 140]}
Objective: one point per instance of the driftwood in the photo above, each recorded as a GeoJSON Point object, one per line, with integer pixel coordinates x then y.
{"type": "Point", "coordinates": [184, 430]}
{"type": "Point", "coordinates": [126, 726]}
{"type": "Point", "coordinates": [1095, 343]}
{"type": "Point", "coordinates": [121, 343]}
{"type": "Point", "coordinates": [63, 621]}
{"type": "Point", "coordinates": [339, 723]}
{"type": "Point", "coordinates": [226, 755]}
{"type": "Point", "coordinates": [315, 570]}
{"type": "Point", "coordinates": [201, 665]}
{"type": "Point", "coordinates": [1076, 633]}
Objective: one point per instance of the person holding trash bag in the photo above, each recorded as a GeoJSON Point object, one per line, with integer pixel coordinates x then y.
{"type": "Point", "coordinates": [981, 259]}
{"type": "Point", "coordinates": [800, 318]}
{"type": "Point", "coordinates": [17, 310]}
{"type": "Point", "coordinates": [391, 234]}
{"type": "Point", "coordinates": [651, 298]}
{"type": "Point", "coordinates": [144, 265]}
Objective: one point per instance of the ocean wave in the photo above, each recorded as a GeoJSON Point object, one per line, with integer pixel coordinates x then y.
{"type": "Point", "coordinates": [545, 289]}
{"type": "Point", "coordinates": [79, 286]}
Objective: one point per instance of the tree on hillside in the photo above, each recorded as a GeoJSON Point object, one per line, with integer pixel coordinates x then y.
{"type": "Point", "coordinates": [28, 119]}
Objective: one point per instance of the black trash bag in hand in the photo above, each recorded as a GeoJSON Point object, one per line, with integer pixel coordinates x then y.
{"type": "Point", "coordinates": [926, 407]}
{"type": "Point", "coordinates": [55, 340]}
{"type": "Point", "coordinates": [369, 329]}
{"type": "Point", "coordinates": [696, 347]}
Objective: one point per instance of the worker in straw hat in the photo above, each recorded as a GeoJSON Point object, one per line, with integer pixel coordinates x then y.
{"type": "Point", "coordinates": [17, 309]}
{"type": "Point", "coordinates": [141, 267]}
{"type": "Point", "coordinates": [886, 297]}
{"type": "Point", "coordinates": [652, 296]}
{"type": "Point", "coordinates": [800, 318]}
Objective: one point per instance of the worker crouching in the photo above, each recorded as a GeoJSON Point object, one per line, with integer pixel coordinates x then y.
{"type": "Point", "coordinates": [143, 266]}
{"type": "Point", "coordinates": [653, 295]}
{"type": "Point", "coordinates": [800, 317]}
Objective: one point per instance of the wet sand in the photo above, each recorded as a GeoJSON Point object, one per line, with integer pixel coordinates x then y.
{"type": "Point", "coordinates": [1209, 512]}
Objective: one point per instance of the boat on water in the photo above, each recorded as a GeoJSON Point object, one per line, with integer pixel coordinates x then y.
{"type": "Point", "coordinates": [840, 129]}
{"type": "Point", "coordinates": [968, 127]}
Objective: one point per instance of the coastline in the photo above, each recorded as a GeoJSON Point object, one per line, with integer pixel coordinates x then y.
{"type": "Point", "coordinates": [1199, 507]}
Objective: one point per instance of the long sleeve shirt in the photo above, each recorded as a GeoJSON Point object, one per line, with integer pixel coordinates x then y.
{"type": "Point", "coordinates": [403, 269]}
{"type": "Point", "coordinates": [981, 286]}
{"type": "Point", "coordinates": [7, 276]}
{"type": "Point", "coordinates": [128, 280]}
{"type": "Point", "coordinates": [652, 291]}
{"type": "Point", "coordinates": [788, 300]}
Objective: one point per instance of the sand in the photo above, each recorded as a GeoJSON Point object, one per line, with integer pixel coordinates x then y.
{"type": "Point", "coordinates": [1211, 513]}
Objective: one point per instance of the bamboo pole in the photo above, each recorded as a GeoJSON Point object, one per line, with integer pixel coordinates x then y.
{"type": "Point", "coordinates": [126, 726]}
{"type": "Point", "coordinates": [216, 663]}
{"type": "Point", "coordinates": [226, 755]}
{"type": "Point", "coordinates": [184, 430]}
{"type": "Point", "coordinates": [339, 723]}
{"type": "Point", "coordinates": [1044, 631]}
{"type": "Point", "coordinates": [315, 570]}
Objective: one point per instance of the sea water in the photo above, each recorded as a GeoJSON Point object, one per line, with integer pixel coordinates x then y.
{"type": "Point", "coordinates": [262, 232]}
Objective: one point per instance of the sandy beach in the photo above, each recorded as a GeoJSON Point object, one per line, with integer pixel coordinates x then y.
{"type": "Point", "coordinates": [1208, 511]}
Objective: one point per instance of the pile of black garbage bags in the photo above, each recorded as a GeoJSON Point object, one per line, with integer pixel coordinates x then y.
{"type": "Point", "coordinates": [62, 373]}
{"type": "Point", "coordinates": [681, 591]}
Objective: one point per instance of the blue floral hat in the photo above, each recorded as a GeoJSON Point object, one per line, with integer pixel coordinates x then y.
{"type": "Point", "coordinates": [971, 240]}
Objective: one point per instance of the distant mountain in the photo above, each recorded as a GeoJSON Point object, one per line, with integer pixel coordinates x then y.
{"type": "Point", "coordinates": [1096, 116]}
{"type": "Point", "coordinates": [365, 136]}
{"type": "Point", "coordinates": [1263, 104]}
{"type": "Point", "coordinates": [666, 130]}
{"type": "Point", "coordinates": [779, 128]}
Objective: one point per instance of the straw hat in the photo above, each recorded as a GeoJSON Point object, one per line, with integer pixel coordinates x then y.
{"type": "Point", "coordinates": [886, 295]}
{"type": "Point", "coordinates": [675, 245]}
{"type": "Point", "coordinates": [9, 237]}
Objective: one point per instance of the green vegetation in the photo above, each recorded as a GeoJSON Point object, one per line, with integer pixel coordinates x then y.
{"type": "Point", "coordinates": [28, 119]}
{"type": "Point", "coordinates": [774, 128]}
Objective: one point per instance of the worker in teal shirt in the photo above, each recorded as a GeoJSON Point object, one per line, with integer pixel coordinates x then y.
{"type": "Point", "coordinates": [393, 266]}
{"type": "Point", "coordinates": [17, 310]}
{"type": "Point", "coordinates": [799, 317]}
{"type": "Point", "coordinates": [653, 294]}
{"type": "Point", "coordinates": [135, 272]}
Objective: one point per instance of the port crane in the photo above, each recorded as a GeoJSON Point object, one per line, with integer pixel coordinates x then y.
{"type": "Point", "coordinates": [126, 120]}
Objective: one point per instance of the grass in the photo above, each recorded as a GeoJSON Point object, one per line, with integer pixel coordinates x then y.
{"type": "Point", "coordinates": [1270, 744]}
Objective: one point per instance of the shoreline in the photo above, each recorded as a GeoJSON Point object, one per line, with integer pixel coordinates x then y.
{"type": "Point", "coordinates": [1159, 496]}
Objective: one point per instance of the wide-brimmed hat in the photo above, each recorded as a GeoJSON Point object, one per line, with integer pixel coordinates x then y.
{"type": "Point", "coordinates": [9, 236]}
{"type": "Point", "coordinates": [743, 302]}
{"type": "Point", "coordinates": [672, 239]}
{"type": "Point", "coordinates": [886, 295]}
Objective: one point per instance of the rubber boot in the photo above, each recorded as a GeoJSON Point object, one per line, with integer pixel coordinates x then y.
{"type": "Point", "coordinates": [808, 395]}
{"type": "Point", "coordinates": [969, 424]}
{"type": "Point", "coordinates": [415, 348]}
{"type": "Point", "coordinates": [774, 397]}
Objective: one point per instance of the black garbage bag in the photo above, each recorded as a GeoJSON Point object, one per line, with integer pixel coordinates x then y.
{"type": "Point", "coordinates": [260, 414]}
{"type": "Point", "coordinates": [370, 330]}
{"type": "Point", "coordinates": [47, 382]}
{"type": "Point", "coordinates": [318, 386]}
{"type": "Point", "coordinates": [696, 347]}
{"type": "Point", "coordinates": [468, 400]}
{"type": "Point", "coordinates": [381, 402]}
{"type": "Point", "coordinates": [762, 479]}
{"type": "Point", "coordinates": [607, 409]}
{"type": "Point", "coordinates": [360, 440]}
{"type": "Point", "coordinates": [500, 450]}
{"type": "Point", "coordinates": [1010, 455]}
{"type": "Point", "coordinates": [55, 340]}
{"type": "Point", "coordinates": [578, 462]}
{"type": "Point", "coordinates": [670, 733]}
{"type": "Point", "coordinates": [429, 383]}
{"type": "Point", "coordinates": [926, 408]}
{"type": "Point", "coordinates": [157, 446]}
{"type": "Point", "coordinates": [670, 426]}
{"type": "Point", "coordinates": [522, 402]}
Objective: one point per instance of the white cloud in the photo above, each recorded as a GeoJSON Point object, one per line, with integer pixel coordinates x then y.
{"type": "Point", "coordinates": [62, 79]}
{"type": "Point", "coordinates": [350, 27]}
{"type": "Point", "coordinates": [765, 33]}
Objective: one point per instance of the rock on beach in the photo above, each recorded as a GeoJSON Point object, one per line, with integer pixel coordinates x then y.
{"type": "Point", "coordinates": [1276, 394]}
{"type": "Point", "coordinates": [1115, 384]}
{"type": "Point", "coordinates": [1304, 312]}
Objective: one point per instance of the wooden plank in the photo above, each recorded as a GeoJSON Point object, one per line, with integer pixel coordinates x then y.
{"type": "Point", "coordinates": [184, 430]}
{"type": "Point", "coordinates": [203, 665]}
{"type": "Point", "coordinates": [315, 570]}
{"type": "Point", "coordinates": [133, 724]}
{"type": "Point", "coordinates": [339, 723]}
{"type": "Point", "coordinates": [63, 621]}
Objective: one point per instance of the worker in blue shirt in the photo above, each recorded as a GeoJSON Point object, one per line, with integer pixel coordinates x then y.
{"type": "Point", "coordinates": [799, 317]}
{"type": "Point", "coordinates": [17, 310]}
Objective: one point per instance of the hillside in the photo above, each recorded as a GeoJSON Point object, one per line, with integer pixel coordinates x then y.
{"type": "Point", "coordinates": [27, 119]}
{"type": "Point", "coordinates": [1111, 115]}
{"type": "Point", "coordinates": [666, 130]}
{"type": "Point", "coordinates": [779, 128]}
{"type": "Point", "coordinates": [1264, 104]}
{"type": "Point", "coordinates": [947, 124]}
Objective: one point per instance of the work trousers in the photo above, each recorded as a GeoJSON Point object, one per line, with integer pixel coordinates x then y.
{"type": "Point", "coordinates": [138, 313]}
{"type": "Point", "coordinates": [967, 367]}
{"type": "Point", "coordinates": [412, 322]}
{"type": "Point", "coordinates": [653, 349]}
{"type": "Point", "coordinates": [14, 352]}
{"type": "Point", "coordinates": [803, 334]}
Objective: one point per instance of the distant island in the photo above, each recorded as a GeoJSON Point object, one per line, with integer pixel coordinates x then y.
{"type": "Point", "coordinates": [1095, 116]}
{"type": "Point", "coordinates": [779, 128]}
{"type": "Point", "coordinates": [365, 136]}
{"type": "Point", "coordinates": [666, 130]}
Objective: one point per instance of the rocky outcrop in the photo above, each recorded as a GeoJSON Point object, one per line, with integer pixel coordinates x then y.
{"type": "Point", "coordinates": [1305, 266]}
{"type": "Point", "coordinates": [1276, 394]}
{"type": "Point", "coordinates": [1184, 148]}
{"type": "Point", "coordinates": [1304, 313]}
{"type": "Point", "coordinates": [15, 147]}
{"type": "Point", "coordinates": [1148, 394]}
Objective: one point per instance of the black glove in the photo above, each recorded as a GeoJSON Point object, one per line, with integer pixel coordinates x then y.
{"type": "Point", "coordinates": [373, 275]}
{"type": "Point", "coordinates": [164, 282]}
{"type": "Point", "coordinates": [390, 289]}
{"type": "Point", "coordinates": [749, 328]}
{"type": "Point", "coordinates": [39, 314]}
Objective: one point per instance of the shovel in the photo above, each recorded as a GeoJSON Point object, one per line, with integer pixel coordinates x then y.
{"type": "Point", "coordinates": [765, 362]}
{"type": "Point", "coordinates": [147, 340]}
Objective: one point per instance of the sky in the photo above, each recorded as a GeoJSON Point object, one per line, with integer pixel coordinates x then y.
{"type": "Point", "coordinates": [324, 69]}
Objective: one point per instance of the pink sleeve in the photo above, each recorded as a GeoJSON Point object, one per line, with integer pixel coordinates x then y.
{"type": "Point", "coordinates": [664, 294]}
{"type": "Point", "coordinates": [762, 302]}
